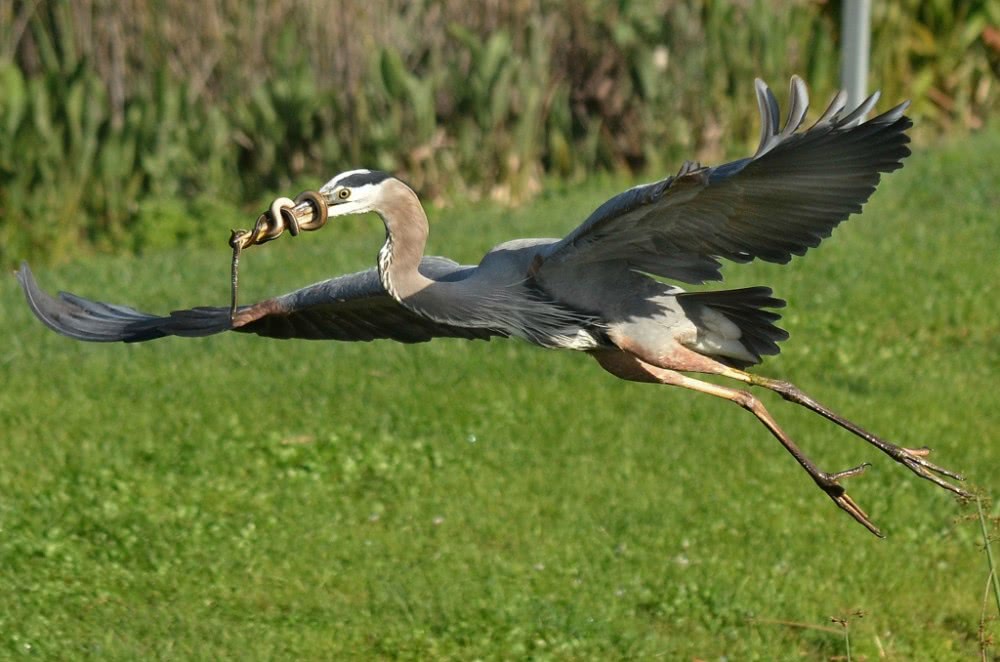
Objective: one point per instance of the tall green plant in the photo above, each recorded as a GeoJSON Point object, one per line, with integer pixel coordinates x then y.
{"type": "Point", "coordinates": [117, 127]}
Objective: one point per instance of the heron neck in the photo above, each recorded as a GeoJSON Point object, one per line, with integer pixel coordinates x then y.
{"type": "Point", "coordinates": [405, 239]}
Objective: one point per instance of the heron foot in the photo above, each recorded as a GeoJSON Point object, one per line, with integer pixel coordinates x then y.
{"type": "Point", "coordinates": [828, 483]}
{"type": "Point", "coordinates": [915, 459]}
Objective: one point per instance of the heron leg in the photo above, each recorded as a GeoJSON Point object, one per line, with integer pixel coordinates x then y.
{"type": "Point", "coordinates": [687, 360]}
{"type": "Point", "coordinates": [915, 459]}
{"type": "Point", "coordinates": [627, 366]}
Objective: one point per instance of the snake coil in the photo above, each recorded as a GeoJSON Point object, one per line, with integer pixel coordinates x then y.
{"type": "Point", "coordinates": [280, 216]}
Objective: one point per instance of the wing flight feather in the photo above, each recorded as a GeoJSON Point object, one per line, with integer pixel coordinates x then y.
{"type": "Point", "coordinates": [354, 307]}
{"type": "Point", "coordinates": [788, 197]}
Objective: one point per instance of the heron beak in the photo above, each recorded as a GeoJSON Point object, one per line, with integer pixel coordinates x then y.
{"type": "Point", "coordinates": [311, 210]}
{"type": "Point", "coordinates": [308, 211]}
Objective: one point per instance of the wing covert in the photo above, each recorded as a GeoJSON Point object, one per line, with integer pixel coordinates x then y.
{"type": "Point", "coordinates": [354, 307]}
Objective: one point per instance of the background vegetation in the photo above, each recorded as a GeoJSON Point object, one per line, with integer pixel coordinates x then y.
{"type": "Point", "coordinates": [173, 501]}
{"type": "Point", "coordinates": [139, 124]}
{"type": "Point", "coordinates": [242, 498]}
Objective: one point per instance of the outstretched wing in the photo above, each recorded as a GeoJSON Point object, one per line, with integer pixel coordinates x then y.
{"type": "Point", "coordinates": [780, 202]}
{"type": "Point", "coordinates": [351, 307]}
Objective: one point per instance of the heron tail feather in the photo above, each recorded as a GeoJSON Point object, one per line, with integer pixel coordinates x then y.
{"type": "Point", "coordinates": [747, 308]}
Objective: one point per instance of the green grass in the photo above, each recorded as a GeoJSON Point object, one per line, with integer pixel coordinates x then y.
{"type": "Point", "coordinates": [243, 498]}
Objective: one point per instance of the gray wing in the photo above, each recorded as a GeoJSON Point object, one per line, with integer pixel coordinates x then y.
{"type": "Point", "coordinates": [780, 202]}
{"type": "Point", "coordinates": [351, 307]}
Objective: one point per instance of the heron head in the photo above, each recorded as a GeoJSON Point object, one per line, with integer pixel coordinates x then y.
{"type": "Point", "coordinates": [354, 192]}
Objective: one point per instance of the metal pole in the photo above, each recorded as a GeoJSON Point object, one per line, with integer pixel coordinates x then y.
{"type": "Point", "coordinates": [855, 33]}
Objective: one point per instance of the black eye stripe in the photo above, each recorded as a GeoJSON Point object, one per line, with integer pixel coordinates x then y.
{"type": "Point", "coordinates": [362, 178]}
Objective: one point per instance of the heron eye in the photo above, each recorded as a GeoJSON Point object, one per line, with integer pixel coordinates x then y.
{"type": "Point", "coordinates": [344, 193]}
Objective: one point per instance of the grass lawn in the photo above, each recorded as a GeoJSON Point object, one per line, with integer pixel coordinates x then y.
{"type": "Point", "coordinates": [244, 498]}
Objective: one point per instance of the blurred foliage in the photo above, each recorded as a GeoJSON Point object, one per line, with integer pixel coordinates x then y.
{"type": "Point", "coordinates": [121, 123]}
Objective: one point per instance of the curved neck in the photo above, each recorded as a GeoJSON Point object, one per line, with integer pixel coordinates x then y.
{"type": "Point", "coordinates": [405, 239]}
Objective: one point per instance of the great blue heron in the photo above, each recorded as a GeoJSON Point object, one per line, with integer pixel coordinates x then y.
{"type": "Point", "coordinates": [594, 290]}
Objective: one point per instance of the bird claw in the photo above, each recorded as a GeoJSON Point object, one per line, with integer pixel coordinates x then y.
{"type": "Point", "coordinates": [828, 483]}
{"type": "Point", "coordinates": [849, 473]}
{"type": "Point", "coordinates": [915, 460]}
